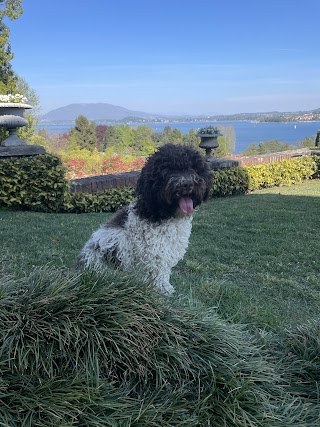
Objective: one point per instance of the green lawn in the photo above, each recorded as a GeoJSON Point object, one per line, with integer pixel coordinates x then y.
{"type": "Point", "coordinates": [254, 257]}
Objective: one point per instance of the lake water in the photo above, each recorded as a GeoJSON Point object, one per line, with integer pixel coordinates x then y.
{"type": "Point", "coordinates": [246, 132]}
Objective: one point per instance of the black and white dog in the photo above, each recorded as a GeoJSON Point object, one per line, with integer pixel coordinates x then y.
{"type": "Point", "coordinates": [152, 233]}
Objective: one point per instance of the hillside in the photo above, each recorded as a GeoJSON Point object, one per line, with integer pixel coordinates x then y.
{"type": "Point", "coordinates": [99, 111]}
{"type": "Point", "coordinates": [102, 113]}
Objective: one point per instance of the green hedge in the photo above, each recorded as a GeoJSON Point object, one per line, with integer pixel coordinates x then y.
{"type": "Point", "coordinates": [35, 183]}
{"type": "Point", "coordinates": [240, 180]}
{"type": "Point", "coordinates": [105, 201]}
{"type": "Point", "coordinates": [39, 183]}
{"type": "Point", "coordinates": [231, 181]}
{"type": "Point", "coordinates": [285, 172]}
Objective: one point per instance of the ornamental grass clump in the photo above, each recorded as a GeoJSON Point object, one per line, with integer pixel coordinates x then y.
{"type": "Point", "coordinates": [103, 350]}
{"type": "Point", "coordinates": [301, 363]}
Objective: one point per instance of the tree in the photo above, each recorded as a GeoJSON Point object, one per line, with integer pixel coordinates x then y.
{"type": "Point", "coordinates": [308, 142]}
{"type": "Point", "coordinates": [83, 134]}
{"type": "Point", "coordinates": [123, 139]}
{"type": "Point", "coordinates": [143, 132]}
{"type": "Point", "coordinates": [192, 139]}
{"type": "Point", "coordinates": [26, 133]}
{"type": "Point", "coordinates": [223, 150]}
{"type": "Point", "coordinates": [24, 89]}
{"type": "Point", "coordinates": [157, 138]}
{"type": "Point", "coordinates": [9, 81]}
{"type": "Point", "coordinates": [10, 9]}
{"type": "Point", "coordinates": [172, 136]}
{"type": "Point", "coordinates": [176, 136]}
{"type": "Point", "coordinates": [100, 132]}
{"type": "Point", "coordinates": [109, 138]}
{"type": "Point", "coordinates": [143, 143]}
{"type": "Point", "coordinates": [272, 146]}
{"type": "Point", "coordinates": [251, 150]}
{"type": "Point", "coordinates": [230, 136]}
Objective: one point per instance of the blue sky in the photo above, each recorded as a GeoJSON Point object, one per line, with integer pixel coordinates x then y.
{"type": "Point", "coordinates": [171, 56]}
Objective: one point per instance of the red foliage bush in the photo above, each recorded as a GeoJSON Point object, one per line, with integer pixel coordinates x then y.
{"type": "Point", "coordinates": [100, 132]}
{"type": "Point", "coordinates": [76, 168]}
{"type": "Point", "coordinates": [80, 168]}
{"type": "Point", "coordinates": [137, 164]}
{"type": "Point", "coordinates": [113, 164]}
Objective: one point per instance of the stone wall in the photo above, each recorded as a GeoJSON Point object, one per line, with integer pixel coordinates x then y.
{"type": "Point", "coordinates": [94, 184]}
{"type": "Point", "coordinates": [272, 157]}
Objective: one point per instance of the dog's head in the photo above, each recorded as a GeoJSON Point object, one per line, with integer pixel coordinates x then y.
{"type": "Point", "coordinates": [174, 180]}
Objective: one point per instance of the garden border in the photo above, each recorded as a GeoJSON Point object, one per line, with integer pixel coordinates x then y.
{"type": "Point", "coordinates": [94, 184]}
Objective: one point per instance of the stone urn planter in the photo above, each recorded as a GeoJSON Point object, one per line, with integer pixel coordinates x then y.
{"type": "Point", "coordinates": [11, 118]}
{"type": "Point", "coordinates": [209, 140]}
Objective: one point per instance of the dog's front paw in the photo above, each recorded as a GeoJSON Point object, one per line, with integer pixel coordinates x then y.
{"type": "Point", "coordinates": [167, 289]}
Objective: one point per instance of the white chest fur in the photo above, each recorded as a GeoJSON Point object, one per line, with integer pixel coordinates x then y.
{"type": "Point", "coordinates": [152, 249]}
{"type": "Point", "coordinates": [164, 243]}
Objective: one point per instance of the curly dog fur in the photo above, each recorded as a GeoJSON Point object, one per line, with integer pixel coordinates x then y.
{"type": "Point", "coordinates": [152, 233]}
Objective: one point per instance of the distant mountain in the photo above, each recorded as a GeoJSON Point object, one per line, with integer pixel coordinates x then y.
{"type": "Point", "coordinates": [103, 113]}
{"type": "Point", "coordinates": [100, 111]}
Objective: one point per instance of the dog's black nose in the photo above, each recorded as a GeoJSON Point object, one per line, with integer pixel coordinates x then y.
{"type": "Point", "coordinates": [187, 186]}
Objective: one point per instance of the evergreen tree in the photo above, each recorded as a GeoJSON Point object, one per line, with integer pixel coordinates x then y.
{"type": "Point", "coordinates": [124, 139]}
{"type": "Point", "coordinates": [172, 136]}
{"type": "Point", "coordinates": [157, 138]}
{"type": "Point", "coordinates": [176, 136]}
{"type": "Point", "coordinates": [9, 81]}
{"type": "Point", "coordinates": [143, 143]}
{"type": "Point", "coordinates": [83, 134]}
{"type": "Point", "coordinates": [166, 135]}
{"type": "Point", "coordinates": [109, 138]}
{"type": "Point", "coordinates": [10, 9]}
{"type": "Point", "coordinates": [191, 139]}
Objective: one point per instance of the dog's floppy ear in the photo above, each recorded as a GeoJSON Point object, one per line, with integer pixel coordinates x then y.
{"type": "Point", "coordinates": [208, 179]}
{"type": "Point", "coordinates": [146, 179]}
{"type": "Point", "coordinates": [147, 190]}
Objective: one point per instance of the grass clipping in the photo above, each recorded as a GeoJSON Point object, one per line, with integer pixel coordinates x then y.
{"type": "Point", "coordinates": [102, 350]}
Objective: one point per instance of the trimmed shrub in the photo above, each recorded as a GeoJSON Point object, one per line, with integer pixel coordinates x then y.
{"type": "Point", "coordinates": [226, 182]}
{"type": "Point", "coordinates": [240, 180]}
{"type": "Point", "coordinates": [104, 201]}
{"type": "Point", "coordinates": [285, 172]}
{"type": "Point", "coordinates": [100, 350]}
{"type": "Point", "coordinates": [37, 183]}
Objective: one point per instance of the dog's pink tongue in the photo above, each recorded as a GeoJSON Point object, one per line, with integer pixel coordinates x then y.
{"type": "Point", "coordinates": [186, 205]}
